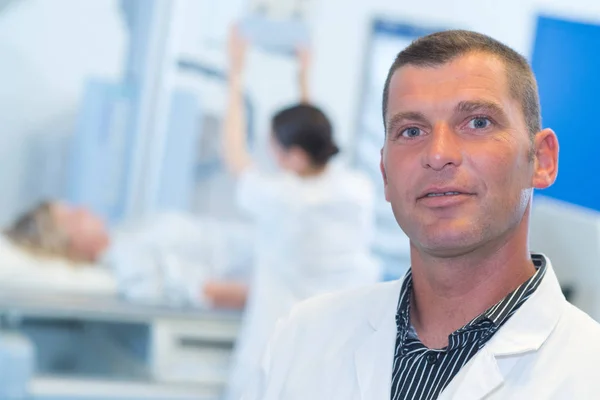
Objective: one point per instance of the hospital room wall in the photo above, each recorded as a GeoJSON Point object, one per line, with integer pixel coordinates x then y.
{"type": "Point", "coordinates": [340, 29]}
{"type": "Point", "coordinates": [49, 48]}
{"type": "Point", "coordinates": [343, 25]}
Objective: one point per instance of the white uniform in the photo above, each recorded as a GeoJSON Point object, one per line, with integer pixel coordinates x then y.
{"type": "Point", "coordinates": [341, 347]}
{"type": "Point", "coordinates": [313, 236]}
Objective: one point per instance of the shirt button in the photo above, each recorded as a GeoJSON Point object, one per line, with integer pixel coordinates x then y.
{"type": "Point", "coordinates": [431, 358]}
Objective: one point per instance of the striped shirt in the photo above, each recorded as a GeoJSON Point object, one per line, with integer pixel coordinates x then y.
{"type": "Point", "coordinates": [420, 373]}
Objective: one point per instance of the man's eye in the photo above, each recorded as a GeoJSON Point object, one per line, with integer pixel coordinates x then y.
{"type": "Point", "coordinates": [410, 132]}
{"type": "Point", "coordinates": [479, 123]}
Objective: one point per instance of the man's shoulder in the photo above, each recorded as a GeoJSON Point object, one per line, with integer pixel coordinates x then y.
{"type": "Point", "coordinates": [576, 340]}
{"type": "Point", "coordinates": [574, 349]}
{"type": "Point", "coordinates": [583, 327]}
{"type": "Point", "coordinates": [348, 306]}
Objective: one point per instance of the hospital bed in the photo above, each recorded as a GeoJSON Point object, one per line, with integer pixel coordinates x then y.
{"type": "Point", "coordinates": [82, 389]}
{"type": "Point", "coordinates": [93, 347]}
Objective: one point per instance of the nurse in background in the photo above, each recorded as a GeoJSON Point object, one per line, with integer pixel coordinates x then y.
{"type": "Point", "coordinates": [314, 221]}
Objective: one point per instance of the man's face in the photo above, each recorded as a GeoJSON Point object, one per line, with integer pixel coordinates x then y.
{"type": "Point", "coordinates": [456, 161]}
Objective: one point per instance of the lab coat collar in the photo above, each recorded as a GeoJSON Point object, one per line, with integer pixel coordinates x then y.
{"type": "Point", "coordinates": [386, 306]}
{"type": "Point", "coordinates": [525, 331]}
{"type": "Point", "coordinates": [531, 325]}
{"type": "Point", "coordinates": [375, 356]}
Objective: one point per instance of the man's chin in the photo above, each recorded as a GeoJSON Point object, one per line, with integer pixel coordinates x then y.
{"type": "Point", "coordinates": [445, 244]}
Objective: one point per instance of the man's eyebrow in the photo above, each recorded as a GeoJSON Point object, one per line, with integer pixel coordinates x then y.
{"type": "Point", "coordinates": [406, 115]}
{"type": "Point", "coordinates": [465, 107]}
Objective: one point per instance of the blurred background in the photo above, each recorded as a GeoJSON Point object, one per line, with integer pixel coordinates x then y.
{"type": "Point", "coordinates": [117, 107]}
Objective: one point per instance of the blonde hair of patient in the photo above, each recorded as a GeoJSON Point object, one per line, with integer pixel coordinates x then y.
{"type": "Point", "coordinates": [38, 233]}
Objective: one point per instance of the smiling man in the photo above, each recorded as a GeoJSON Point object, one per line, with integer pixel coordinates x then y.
{"type": "Point", "coordinates": [477, 316]}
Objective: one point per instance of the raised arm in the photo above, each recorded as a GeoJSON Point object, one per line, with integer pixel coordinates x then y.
{"type": "Point", "coordinates": [304, 59]}
{"type": "Point", "coordinates": [235, 147]}
{"type": "Point", "coordinates": [224, 294]}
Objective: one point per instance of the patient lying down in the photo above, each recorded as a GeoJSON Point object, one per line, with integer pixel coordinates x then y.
{"type": "Point", "coordinates": [175, 258]}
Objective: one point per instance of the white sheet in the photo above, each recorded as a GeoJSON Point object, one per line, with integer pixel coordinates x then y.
{"type": "Point", "coordinates": [168, 259]}
{"type": "Point", "coordinates": [20, 270]}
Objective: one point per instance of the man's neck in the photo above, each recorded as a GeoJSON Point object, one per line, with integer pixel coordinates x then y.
{"type": "Point", "coordinates": [450, 292]}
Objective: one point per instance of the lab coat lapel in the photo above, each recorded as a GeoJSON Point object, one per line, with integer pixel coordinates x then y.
{"type": "Point", "coordinates": [524, 332]}
{"type": "Point", "coordinates": [375, 355]}
{"type": "Point", "coordinates": [478, 378]}
{"type": "Point", "coordinates": [374, 361]}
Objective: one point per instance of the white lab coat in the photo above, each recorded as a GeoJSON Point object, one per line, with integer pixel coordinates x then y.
{"type": "Point", "coordinates": [313, 237]}
{"type": "Point", "coordinates": [341, 347]}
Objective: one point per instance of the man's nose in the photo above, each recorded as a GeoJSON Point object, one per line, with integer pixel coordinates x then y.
{"type": "Point", "coordinates": [443, 148]}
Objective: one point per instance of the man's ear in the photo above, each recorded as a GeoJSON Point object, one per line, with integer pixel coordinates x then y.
{"type": "Point", "coordinates": [382, 167]}
{"type": "Point", "coordinates": [545, 157]}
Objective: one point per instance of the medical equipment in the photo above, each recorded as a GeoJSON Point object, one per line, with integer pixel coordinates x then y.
{"type": "Point", "coordinates": [90, 389]}
{"type": "Point", "coordinates": [88, 346]}
{"type": "Point", "coordinates": [101, 152]}
{"type": "Point", "coordinates": [16, 365]}
{"type": "Point", "coordinates": [209, 157]}
{"type": "Point", "coordinates": [276, 26]}
{"type": "Point", "coordinates": [278, 36]}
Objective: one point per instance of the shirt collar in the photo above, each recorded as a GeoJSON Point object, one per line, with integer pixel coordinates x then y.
{"type": "Point", "coordinates": [487, 323]}
{"type": "Point", "coordinates": [402, 314]}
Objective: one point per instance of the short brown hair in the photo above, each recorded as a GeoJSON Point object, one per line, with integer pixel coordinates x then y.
{"type": "Point", "coordinates": [442, 47]}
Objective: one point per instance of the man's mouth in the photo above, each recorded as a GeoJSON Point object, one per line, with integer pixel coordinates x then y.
{"type": "Point", "coordinates": [443, 194]}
